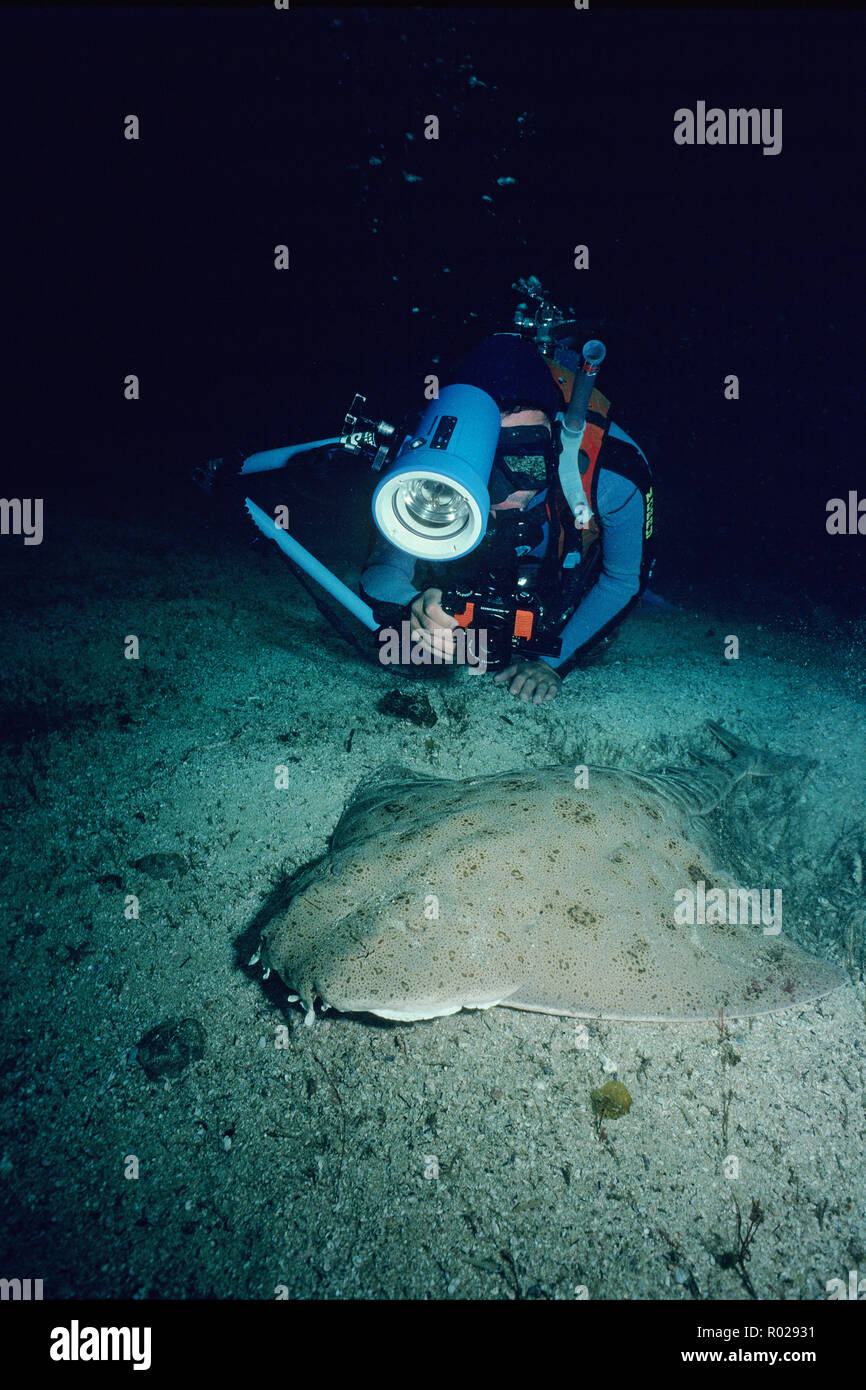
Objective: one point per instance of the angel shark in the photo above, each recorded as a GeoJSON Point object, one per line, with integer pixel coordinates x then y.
{"type": "Point", "coordinates": [531, 890]}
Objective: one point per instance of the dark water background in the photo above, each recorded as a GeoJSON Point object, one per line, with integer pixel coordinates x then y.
{"type": "Point", "coordinates": [258, 126]}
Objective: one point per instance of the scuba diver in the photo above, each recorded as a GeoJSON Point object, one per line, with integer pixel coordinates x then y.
{"type": "Point", "coordinates": [562, 561]}
{"type": "Point", "coordinates": [515, 523]}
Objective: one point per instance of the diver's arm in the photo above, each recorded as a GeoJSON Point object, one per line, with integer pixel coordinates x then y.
{"type": "Point", "coordinates": [621, 517]}
{"type": "Point", "coordinates": [387, 575]}
{"type": "Point", "coordinates": [386, 583]}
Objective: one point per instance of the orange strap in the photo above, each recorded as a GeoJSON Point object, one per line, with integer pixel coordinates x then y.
{"type": "Point", "coordinates": [590, 448]}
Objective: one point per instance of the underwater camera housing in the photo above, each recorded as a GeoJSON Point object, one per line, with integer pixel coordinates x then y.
{"type": "Point", "coordinates": [433, 502]}
{"type": "Point", "coordinates": [508, 606]}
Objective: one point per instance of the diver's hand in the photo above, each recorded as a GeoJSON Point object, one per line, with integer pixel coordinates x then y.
{"type": "Point", "coordinates": [431, 627]}
{"type": "Point", "coordinates": [532, 680]}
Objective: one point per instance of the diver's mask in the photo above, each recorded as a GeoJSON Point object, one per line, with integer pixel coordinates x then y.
{"type": "Point", "coordinates": [527, 455]}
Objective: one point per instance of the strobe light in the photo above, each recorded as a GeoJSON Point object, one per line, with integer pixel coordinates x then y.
{"type": "Point", "coordinates": [433, 501]}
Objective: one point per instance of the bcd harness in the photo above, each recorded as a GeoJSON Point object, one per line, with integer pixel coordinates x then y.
{"type": "Point", "coordinates": [573, 547]}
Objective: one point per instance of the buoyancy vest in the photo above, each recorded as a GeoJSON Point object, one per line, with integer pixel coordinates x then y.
{"type": "Point", "coordinates": [563, 533]}
{"type": "Point", "coordinates": [576, 552]}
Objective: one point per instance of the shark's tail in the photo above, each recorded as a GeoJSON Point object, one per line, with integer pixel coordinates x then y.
{"type": "Point", "coordinates": [758, 761]}
{"type": "Point", "coordinates": [700, 791]}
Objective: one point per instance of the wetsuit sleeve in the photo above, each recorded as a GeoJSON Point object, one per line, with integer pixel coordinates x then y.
{"type": "Point", "coordinates": [387, 575]}
{"type": "Point", "coordinates": [621, 519]}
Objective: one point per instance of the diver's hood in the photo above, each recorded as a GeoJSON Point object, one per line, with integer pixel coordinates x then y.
{"type": "Point", "coordinates": [512, 370]}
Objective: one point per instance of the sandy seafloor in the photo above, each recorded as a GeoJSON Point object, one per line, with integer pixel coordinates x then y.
{"type": "Point", "coordinates": [304, 1167]}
